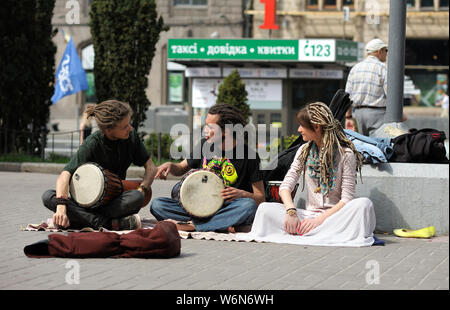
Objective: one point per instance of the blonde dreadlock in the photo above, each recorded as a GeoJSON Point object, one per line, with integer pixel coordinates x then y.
{"type": "Point", "coordinates": [109, 113]}
{"type": "Point", "coordinates": [333, 136]}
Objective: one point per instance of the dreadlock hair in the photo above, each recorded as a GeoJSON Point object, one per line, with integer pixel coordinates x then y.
{"type": "Point", "coordinates": [228, 114]}
{"type": "Point", "coordinates": [333, 137]}
{"type": "Point", "coordinates": [109, 113]}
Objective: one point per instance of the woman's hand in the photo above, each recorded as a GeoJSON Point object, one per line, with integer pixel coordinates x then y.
{"type": "Point", "coordinates": [291, 224]}
{"type": "Point", "coordinates": [309, 224]}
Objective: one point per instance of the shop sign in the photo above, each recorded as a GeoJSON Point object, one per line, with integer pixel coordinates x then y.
{"type": "Point", "coordinates": [203, 72]}
{"type": "Point", "coordinates": [316, 74]}
{"type": "Point", "coordinates": [233, 49]}
{"type": "Point", "coordinates": [270, 9]}
{"type": "Point", "coordinates": [317, 50]}
{"type": "Point", "coordinates": [348, 51]}
{"type": "Point", "coordinates": [261, 94]}
{"type": "Point", "coordinates": [303, 50]}
{"type": "Point", "coordinates": [257, 72]}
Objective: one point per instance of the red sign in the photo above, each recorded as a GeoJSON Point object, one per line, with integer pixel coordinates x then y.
{"type": "Point", "coordinates": [269, 15]}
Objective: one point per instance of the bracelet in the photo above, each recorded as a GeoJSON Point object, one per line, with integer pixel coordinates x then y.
{"type": "Point", "coordinates": [61, 201]}
{"type": "Point", "coordinates": [291, 211]}
{"type": "Point", "coordinates": [143, 189]}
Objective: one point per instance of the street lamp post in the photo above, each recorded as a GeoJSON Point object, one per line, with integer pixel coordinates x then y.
{"type": "Point", "coordinates": [396, 63]}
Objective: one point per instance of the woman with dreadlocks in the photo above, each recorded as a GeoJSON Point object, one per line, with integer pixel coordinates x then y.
{"type": "Point", "coordinates": [329, 164]}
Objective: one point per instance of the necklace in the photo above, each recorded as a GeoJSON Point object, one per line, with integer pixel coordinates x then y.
{"type": "Point", "coordinates": [313, 164]}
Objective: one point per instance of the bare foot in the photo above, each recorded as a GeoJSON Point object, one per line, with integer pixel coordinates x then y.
{"type": "Point", "coordinates": [185, 226]}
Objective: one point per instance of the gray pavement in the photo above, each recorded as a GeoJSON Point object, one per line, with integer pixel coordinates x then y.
{"type": "Point", "coordinates": [210, 265]}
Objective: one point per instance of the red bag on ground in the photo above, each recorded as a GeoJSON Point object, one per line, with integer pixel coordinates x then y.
{"type": "Point", "coordinates": [161, 241]}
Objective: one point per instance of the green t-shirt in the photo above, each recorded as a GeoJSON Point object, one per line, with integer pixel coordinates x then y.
{"type": "Point", "coordinates": [115, 156]}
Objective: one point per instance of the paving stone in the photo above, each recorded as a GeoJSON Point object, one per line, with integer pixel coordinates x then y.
{"type": "Point", "coordinates": [210, 265]}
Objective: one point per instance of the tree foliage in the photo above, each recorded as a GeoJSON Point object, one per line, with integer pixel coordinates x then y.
{"type": "Point", "coordinates": [232, 91]}
{"type": "Point", "coordinates": [124, 34]}
{"type": "Point", "coordinates": [27, 60]}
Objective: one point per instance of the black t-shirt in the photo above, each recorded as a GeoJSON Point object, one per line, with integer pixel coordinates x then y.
{"type": "Point", "coordinates": [115, 156]}
{"type": "Point", "coordinates": [239, 167]}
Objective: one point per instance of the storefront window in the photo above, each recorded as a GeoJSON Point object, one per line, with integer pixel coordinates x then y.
{"type": "Point", "coordinates": [176, 87]}
{"type": "Point", "coordinates": [90, 92]}
{"type": "Point", "coordinates": [425, 63]}
{"type": "Point", "coordinates": [330, 4]}
{"type": "Point", "coordinates": [312, 4]}
{"type": "Point", "coordinates": [427, 3]}
{"type": "Point", "coordinates": [87, 61]}
{"type": "Point", "coordinates": [305, 91]}
{"type": "Point", "coordinates": [410, 3]}
{"type": "Point", "coordinates": [443, 4]}
{"type": "Point", "coordinates": [350, 3]}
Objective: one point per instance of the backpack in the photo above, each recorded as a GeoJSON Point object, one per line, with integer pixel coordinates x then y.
{"type": "Point", "coordinates": [420, 146]}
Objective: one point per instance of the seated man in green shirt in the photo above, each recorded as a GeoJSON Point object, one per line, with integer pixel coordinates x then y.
{"type": "Point", "coordinates": [115, 146]}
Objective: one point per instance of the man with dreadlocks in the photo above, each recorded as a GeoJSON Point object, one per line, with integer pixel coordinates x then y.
{"type": "Point", "coordinates": [329, 164]}
{"type": "Point", "coordinates": [114, 147]}
{"type": "Point", "coordinates": [244, 189]}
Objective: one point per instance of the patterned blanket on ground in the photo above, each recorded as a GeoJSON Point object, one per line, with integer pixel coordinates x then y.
{"type": "Point", "coordinates": [147, 223]}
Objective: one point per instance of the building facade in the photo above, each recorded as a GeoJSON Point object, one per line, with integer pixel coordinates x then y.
{"type": "Point", "coordinates": [427, 33]}
{"type": "Point", "coordinates": [186, 18]}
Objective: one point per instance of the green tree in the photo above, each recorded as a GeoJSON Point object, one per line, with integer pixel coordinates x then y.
{"type": "Point", "coordinates": [124, 34]}
{"type": "Point", "coordinates": [27, 60]}
{"type": "Point", "coordinates": [232, 91]}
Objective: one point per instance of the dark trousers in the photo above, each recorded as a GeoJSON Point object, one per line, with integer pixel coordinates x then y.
{"type": "Point", "coordinates": [130, 202]}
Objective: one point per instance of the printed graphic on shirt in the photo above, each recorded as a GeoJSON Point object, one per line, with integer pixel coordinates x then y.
{"type": "Point", "coordinates": [222, 166]}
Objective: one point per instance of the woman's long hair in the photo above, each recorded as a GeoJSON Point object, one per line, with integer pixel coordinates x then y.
{"type": "Point", "coordinates": [333, 137]}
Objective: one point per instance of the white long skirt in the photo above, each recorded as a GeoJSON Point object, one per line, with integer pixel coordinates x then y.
{"type": "Point", "coordinates": [351, 226]}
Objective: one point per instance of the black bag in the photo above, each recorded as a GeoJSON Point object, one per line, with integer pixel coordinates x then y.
{"type": "Point", "coordinates": [420, 146]}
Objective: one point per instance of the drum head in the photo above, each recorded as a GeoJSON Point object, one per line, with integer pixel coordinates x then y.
{"type": "Point", "coordinates": [87, 185]}
{"type": "Point", "coordinates": [200, 193]}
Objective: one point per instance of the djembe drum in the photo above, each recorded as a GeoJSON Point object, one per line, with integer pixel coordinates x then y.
{"type": "Point", "coordinates": [199, 193]}
{"type": "Point", "coordinates": [91, 186]}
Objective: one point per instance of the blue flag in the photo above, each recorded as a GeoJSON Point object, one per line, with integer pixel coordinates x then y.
{"type": "Point", "coordinates": [70, 76]}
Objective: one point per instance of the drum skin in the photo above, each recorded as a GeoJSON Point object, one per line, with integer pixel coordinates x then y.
{"type": "Point", "coordinates": [92, 186]}
{"type": "Point", "coordinates": [201, 193]}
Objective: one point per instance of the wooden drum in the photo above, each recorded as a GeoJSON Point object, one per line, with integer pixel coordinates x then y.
{"type": "Point", "coordinates": [92, 186]}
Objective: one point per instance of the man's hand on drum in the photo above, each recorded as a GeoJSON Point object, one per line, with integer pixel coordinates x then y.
{"type": "Point", "coordinates": [231, 193]}
{"type": "Point", "coordinates": [163, 171]}
{"type": "Point", "coordinates": [60, 219]}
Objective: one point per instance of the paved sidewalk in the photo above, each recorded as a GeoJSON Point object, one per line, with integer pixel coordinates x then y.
{"type": "Point", "coordinates": [210, 265]}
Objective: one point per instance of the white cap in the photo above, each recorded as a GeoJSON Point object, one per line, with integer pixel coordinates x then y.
{"type": "Point", "coordinates": [375, 45]}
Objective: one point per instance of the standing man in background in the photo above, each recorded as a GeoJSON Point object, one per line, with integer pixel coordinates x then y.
{"type": "Point", "coordinates": [367, 86]}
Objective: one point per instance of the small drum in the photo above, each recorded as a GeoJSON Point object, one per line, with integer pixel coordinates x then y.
{"type": "Point", "coordinates": [199, 193]}
{"type": "Point", "coordinates": [273, 191]}
{"type": "Point", "coordinates": [92, 186]}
